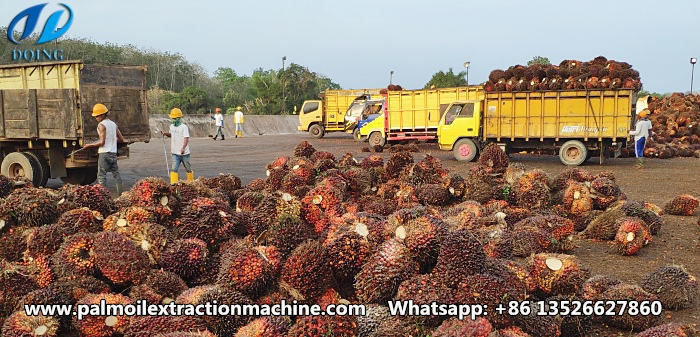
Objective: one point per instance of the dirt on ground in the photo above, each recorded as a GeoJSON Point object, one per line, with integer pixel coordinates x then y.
{"type": "Point", "coordinates": [660, 181]}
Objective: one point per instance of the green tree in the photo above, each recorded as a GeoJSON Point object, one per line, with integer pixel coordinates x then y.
{"type": "Point", "coordinates": [447, 79]}
{"type": "Point", "coordinates": [543, 61]}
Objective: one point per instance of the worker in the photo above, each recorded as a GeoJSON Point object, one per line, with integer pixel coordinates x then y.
{"type": "Point", "coordinates": [179, 146]}
{"type": "Point", "coordinates": [238, 120]}
{"type": "Point", "coordinates": [642, 132]}
{"type": "Point", "coordinates": [107, 153]}
{"type": "Point", "coordinates": [219, 121]}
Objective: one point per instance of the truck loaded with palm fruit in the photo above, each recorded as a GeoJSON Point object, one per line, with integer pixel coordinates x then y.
{"type": "Point", "coordinates": [327, 114]}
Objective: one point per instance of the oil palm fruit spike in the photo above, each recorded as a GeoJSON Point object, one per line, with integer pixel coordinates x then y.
{"type": "Point", "coordinates": [185, 257]}
{"type": "Point", "coordinates": [118, 259]}
{"type": "Point", "coordinates": [627, 292]}
{"type": "Point", "coordinates": [400, 326]}
{"type": "Point", "coordinates": [597, 285]}
{"type": "Point", "coordinates": [529, 193]}
{"type": "Point", "coordinates": [382, 274]}
{"type": "Point", "coordinates": [560, 182]}
{"type": "Point", "coordinates": [225, 325]}
{"type": "Point", "coordinates": [454, 327]}
{"type": "Point", "coordinates": [512, 331]}
{"type": "Point", "coordinates": [577, 198]}
{"type": "Point", "coordinates": [153, 325]}
{"type": "Point", "coordinates": [95, 197]}
{"type": "Point", "coordinates": [497, 241]}
{"type": "Point", "coordinates": [348, 253]}
{"type": "Point", "coordinates": [372, 161]}
{"type": "Point", "coordinates": [249, 201]}
{"type": "Point", "coordinates": [433, 195]}
{"type": "Point", "coordinates": [128, 221]}
{"type": "Point", "coordinates": [557, 274]}
{"type": "Point", "coordinates": [306, 272]}
{"type": "Point", "coordinates": [304, 149]}
{"type": "Point", "coordinates": [488, 290]}
{"type": "Point", "coordinates": [246, 270]}
{"type": "Point", "coordinates": [493, 158]}
{"type": "Point", "coordinates": [424, 290]}
{"type": "Point", "coordinates": [75, 256]}
{"type": "Point", "coordinates": [203, 219]}
{"type": "Point", "coordinates": [102, 326]}
{"type": "Point", "coordinates": [288, 232]}
{"type": "Point", "coordinates": [34, 206]}
{"type": "Point", "coordinates": [537, 325]}
{"type": "Point", "coordinates": [530, 240]}
{"type": "Point", "coordinates": [359, 180]}
{"type": "Point", "coordinates": [45, 240]}
{"type": "Point", "coordinates": [671, 330]}
{"type": "Point", "coordinates": [150, 191]}
{"type": "Point", "coordinates": [16, 281]}
{"type": "Point", "coordinates": [397, 162]}
{"type": "Point", "coordinates": [323, 326]}
{"type": "Point", "coordinates": [160, 286]}
{"type": "Point", "coordinates": [81, 220]}
{"type": "Point", "coordinates": [368, 324]}
{"type": "Point", "coordinates": [673, 285]}
{"type": "Point", "coordinates": [573, 325]}
{"type": "Point", "coordinates": [267, 326]}
{"type": "Point", "coordinates": [19, 324]}
{"type": "Point", "coordinates": [202, 333]}
{"type": "Point", "coordinates": [461, 254]}
{"type": "Point", "coordinates": [632, 235]}
{"type": "Point", "coordinates": [684, 204]}
{"type": "Point", "coordinates": [605, 225]}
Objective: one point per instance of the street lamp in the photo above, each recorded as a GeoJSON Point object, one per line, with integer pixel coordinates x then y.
{"type": "Point", "coordinates": [284, 97]}
{"type": "Point", "coordinates": [466, 65]}
{"type": "Point", "coordinates": [693, 60]}
{"type": "Point", "coordinates": [391, 76]}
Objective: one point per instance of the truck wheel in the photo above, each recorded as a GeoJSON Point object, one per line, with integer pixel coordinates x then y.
{"type": "Point", "coordinates": [375, 138]}
{"type": "Point", "coordinates": [357, 137]}
{"type": "Point", "coordinates": [573, 153]}
{"type": "Point", "coordinates": [43, 167]}
{"type": "Point", "coordinates": [17, 164]}
{"type": "Point", "coordinates": [464, 150]}
{"type": "Point", "coordinates": [316, 131]}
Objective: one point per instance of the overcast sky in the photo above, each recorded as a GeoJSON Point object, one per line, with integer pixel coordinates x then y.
{"type": "Point", "coordinates": [357, 43]}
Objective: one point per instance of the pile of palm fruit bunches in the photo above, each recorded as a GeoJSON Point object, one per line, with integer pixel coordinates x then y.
{"type": "Point", "coordinates": [325, 230]}
{"type": "Point", "coordinates": [675, 121]}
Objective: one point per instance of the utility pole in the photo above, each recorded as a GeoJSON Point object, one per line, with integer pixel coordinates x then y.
{"type": "Point", "coordinates": [284, 97]}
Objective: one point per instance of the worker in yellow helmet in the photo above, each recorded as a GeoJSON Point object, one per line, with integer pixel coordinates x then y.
{"type": "Point", "coordinates": [107, 153]}
{"type": "Point", "coordinates": [238, 120]}
{"type": "Point", "coordinates": [179, 148]}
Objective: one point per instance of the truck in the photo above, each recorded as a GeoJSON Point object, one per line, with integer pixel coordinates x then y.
{"type": "Point", "coordinates": [46, 117]}
{"type": "Point", "coordinates": [411, 114]}
{"type": "Point", "coordinates": [576, 124]}
{"type": "Point", "coordinates": [327, 114]}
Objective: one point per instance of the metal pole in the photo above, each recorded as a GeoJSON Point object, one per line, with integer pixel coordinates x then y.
{"type": "Point", "coordinates": [692, 72]}
{"type": "Point", "coordinates": [391, 77]}
{"type": "Point", "coordinates": [284, 97]}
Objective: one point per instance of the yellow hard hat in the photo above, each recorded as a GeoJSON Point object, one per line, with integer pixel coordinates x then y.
{"type": "Point", "coordinates": [643, 113]}
{"type": "Point", "coordinates": [99, 109]}
{"type": "Point", "coordinates": [175, 113]}
{"type": "Point", "coordinates": [238, 107]}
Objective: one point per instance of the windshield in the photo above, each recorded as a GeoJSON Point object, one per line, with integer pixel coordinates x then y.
{"type": "Point", "coordinates": [459, 110]}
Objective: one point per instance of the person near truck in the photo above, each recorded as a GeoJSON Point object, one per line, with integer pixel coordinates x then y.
{"type": "Point", "coordinates": [219, 122]}
{"type": "Point", "coordinates": [179, 146]}
{"type": "Point", "coordinates": [107, 153]}
{"type": "Point", "coordinates": [642, 132]}
{"type": "Point", "coordinates": [238, 120]}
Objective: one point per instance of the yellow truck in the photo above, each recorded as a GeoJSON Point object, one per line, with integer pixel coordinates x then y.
{"type": "Point", "coordinates": [46, 117]}
{"type": "Point", "coordinates": [412, 114]}
{"type": "Point", "coordinates": [576, 124]}
{"type": "Point", "coordinates": [328, 113]}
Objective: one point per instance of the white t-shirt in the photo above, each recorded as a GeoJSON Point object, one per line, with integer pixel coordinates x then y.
{"type": "Point", "coordinates": [110, 137]}
{"type": "Point", "coordinates": [238, 117]}
{"type": "Point", "coordinates": [219, 119]}
{"type": "Point", "coordinates": [179, 133]}
{"type": "Point", "coordinates": [641, 129]}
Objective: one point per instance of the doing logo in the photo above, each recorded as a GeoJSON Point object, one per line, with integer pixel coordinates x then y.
{"type": "Point", "coordinates": [50, 32]}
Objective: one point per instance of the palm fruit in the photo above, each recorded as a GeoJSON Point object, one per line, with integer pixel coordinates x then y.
{"type": "Point", "coordinates": [348, 252]}
{"type": "Point", "coordinates": [455, 184]}
{"type": "Point", "coordinates": [224, 324]}
{"type": "Point", "coordinates": [160, 286]}
{"type": "Point", "coordinates": [454, 327]}
{"type": "Point", "coordinates": [184, 257]}
{"type": "Point", "coordinates": [118, 259]}
{"type": "Point", "coordinates": [304, 149]}
{"type": "Point", "coordinates": [530, 240]}
{"type": "Point", "coordinates": [539, 325]}
{"type": "Point", "coordinates": [673, 285]}
{"type": "Point", "coordinates": [227, 182]}
{"type": "Point", "coordinates": [15, 282]}
{"type": "Point", "coordinates": [604, 226]}
{"type": "Point", "coordinates": [95, 197]}
{"type": "Point", "coordinates": [626, 292]}
{"type": "Point", "coordinates": [493, 158]}
{"type": "Point", "coordinates": [382, 274]}
{"type": "Point", "coordinates": [306, 272]}
{"type": "Point", "coordinates": [597, 285]}
{"type": "Point", "coordinates": [606, 192]}
{"type": "Point", "coordinates": [202, 333]}
{"type": "Point", "coordinates": [573, 325]}
{"type": "Point", "coordinates": [7, 216]}
{"type": "Point", "coordinates": [102, 326]}
{"type": "Point", "coordinates": [288, 232]}
{"type": "Point", "coordinates": [581, 221]}
{"type": "Point", "coordinates": [128, 221]}
{"type": "Point", "coordinates": [461, 254]}
{"type": "Point", "coordinates": [400, 326]}
{"type": "Point", "coordinates": [359, 180]}
{"type": "Point", "coordinates": [374, 316]}
{"type": "Point", "coordinates": [422, 236]}
{"type": "Point", "coordinates": [654, 208]}
{"type": "Point", "coordinates": [514, 276]}
{"type": "Point", "coordinates": [340, 326]}
{"type": "Point", "coordinates": [249, 201]}
{"type": "Point", "coordinates": [348, 160]}
{"type": "Point", "coordinates": [76, 287]}
{"type": "Point", "coordinates": [123, 200]}
{"type": "Point", "coordinates": [150, 192]}
{"type": "Point", "coordinates": [152, 239]}
{"type": "Point", "coordinates": [513, 172]}
{"type": "Point", "coordinates": [205, 219]}
{"type": "Point", "coordinates": [397, 163]}
{"type": "Point", "coordinates": [481, 191]}
{"type": "Point", "coordinates": [577, 174]}
{"type": "Point", "coordinates": [263, 216]}
{"type": "Point", "coordinates": [75, 256]}
{"type": "Point", "coordinates": [561, 229]}
{"type": "Point", "coordinates": [81, 220]}
{"type": "Point", "coordinates": [369, 226]}
{"type": "Point", "coordinates": [245, 269]}
{"type": "Point", "coordinates": [257, 185]}
{"type": "Point", "coordinates": [639, 209]}
{"type": "Point", "coordinates": [314, 215]}
{"type": "Point", "coordinates": [267, 326]}
{"type": "Point", "coordinates": [33, 206]}
{"type": "Point", "coordinates": [379, 206]}
{"type": "Point", "coordinates": [45, 240]}
{"type": "Point", "coordinates": [557, 274]}
{"type": "Point", "coordinates": [6, 186]}
{"type": "Point", "coordinates": [486, 289]}
{"type": "Point", "coordinates": [146, 326]}
{"type": "Point", "coordinates": [632, 234]}
{"type": "Point", "coordinates": [497, 241]}
{"type": "Point", "coordinates": [459, 217]}
{"type": "Point", "coordinates": [423, 290]}
{"type": "Point", "coordinates": [671, 330]}
{"type": "Point", "coordinates": [530, 193]}
{"type": "Point", "coordinates": [427, 171]}
{"type": "Point", "coordinates": [684, 204]}
{"type": "Point", "coordinates": [433, 195]}
{"type": "Point", "coordinates": [512, 331]}
{"type": "Point", "coordinates": [19, 324]}
{"type": "Point", "coordinates": [577, 199]}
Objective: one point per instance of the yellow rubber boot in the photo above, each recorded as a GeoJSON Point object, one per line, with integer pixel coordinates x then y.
{"type": "Point", "coordinates": [190, 176]}
{"type": "Point", "coordinates": [174, 178]}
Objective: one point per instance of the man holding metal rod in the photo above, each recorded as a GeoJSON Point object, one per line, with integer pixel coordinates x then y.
{"type": "Point", "coordinates": [107, 153]}
{"type": "Point", "coordinates": [180, 134]}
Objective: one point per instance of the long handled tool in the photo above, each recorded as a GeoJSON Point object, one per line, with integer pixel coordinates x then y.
{"type": "Point", "coordinates": [165, 152]}
{"type": "Point", "coordinates": [74, 152]}
{"type": "Point", "coordinates": [210, 126]}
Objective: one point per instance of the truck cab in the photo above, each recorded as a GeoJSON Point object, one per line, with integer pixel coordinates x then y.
{"type": "Point", "coordinates": [360, 113]}
{"type": "Point", "coordinates": [311, 118]}
{"type": "Point", "coordinates": [461, 120]}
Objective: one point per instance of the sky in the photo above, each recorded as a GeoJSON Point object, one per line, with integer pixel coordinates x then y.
{"type": "Point", "coordinates": [358, 43]}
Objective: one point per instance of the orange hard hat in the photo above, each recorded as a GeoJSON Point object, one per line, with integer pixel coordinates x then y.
{"type": "Point", "coordinates": [643, 113]}
{"type": "Point", "coordinates": [99, 109]}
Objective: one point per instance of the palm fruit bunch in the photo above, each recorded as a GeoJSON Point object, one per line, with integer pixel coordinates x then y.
{"type": "Point", "coordinates": [205, 219]}
{"type": "Point", "coordinates": [102, 326]}
{"type": "Point", "coordinates": [33, 206]}
{"type": "Point", "coordinates": [486, 289]}
{"type": "Point", "coordinates": [673, 285]}
{"type": "Point", "coordinates": [455, 184]}
{"type": "Point", "coordinates": [160, 286]}
{"type": "Point", "coordinates": [596, 285]}
{"type": "Point", "coordinates": [454, 327]}
{"type": "Point", "coordinates": [605, 192]}
{"type": "Point", "coordinates": [649, 213]}
{"type": "Point", "coordinates": [493, 158]}
{"type": "Point", "coordinates": [561, 230]}
{"type": "Point", "coordinates": [397, 163]}
{"type": "Point", "coordinates": [266, 326]}
{"type": "Point", "coordinates": [304, 149]}
{"type": "Point", "coordinates": [19, 324]}
{"type": "Point", "coordinates": [95, 197]}
{"type": "Point", "coordinates": [341, 326]}
{"type": "Point", "coordinates": [538, 325]}
{"type": "Point", "coordinates": [375, 315]}
{"type": "Point", "coordinates": [424, 290]}
{"type": "Point", "coordinates": [684, 204]}
{"type": "Point", "coordinates": [512, 331]}
{"type": "Point", "coordinates": [225, 182]}
{"type": "Point", "coordinates": [263, 216]}
{"type": "Point", "coordinates": [671, 330]}
{"type": "Point", "coordinates": [128, 221]}
{"type": "Point", "coordinates": [184, 257]}
{"type": "Point", "coordinates": [433, 195]}
{"type": "Point", "coordinates": [627, 292]}
{"type": "Point", "coordinates": [461, 254]}
{"type": "Point", "coordinates": [497, 241]}
{"type": "Point", "coordinates": [81, 220]}
{"type": "Point", "coordinates": [381, 275]}
{"type": "Point", "coordinates": [288, 232]}
{"type": "Point", "coordinates": [16, 281]}
{"type": "Point", "coordinates": [605, 225]}
{"type": "Point", "coordinates": [530, 191]}
{"type": "Point", "coordinates": [372, 161]}
{"type": "Point", "coordinates": [577, 199]}
{"type": "Point", "coordinates": [577, 174]}
{"type": "Point", "coordinates": [515, 277]}
{"type": "Point", "coordinates": [557, 274]}
{"type": "Point", "coordinates": [75, 288]}
{"type": "Point", "coordinates": [359, 180]}
{"type": "Point", "coordinates": [306, 273]}
{"type": "Point", "coordinates": [246, 269]}
{"type": "Point", "coordinates": [224, 325]}
{"type": "Point", "coordinates": [141, 326]}
{"type": "Point", "coordinates": [632, 235]}
{"type": "Point", "coordinates": [348, 252]}
{"type": "Point", "coordinates": [427, 171]}
{"type": "Point", "coordinates": [154, 192]}
{"type": "Point", "coordinates": [75, 256]}
{"type": "Point", "coordinates": [400, 326]}
{"type": "Point", "coordinates": [118, 259]}
{"type": "Point", "coordinates": [481, 187]}
{"type": "Point", "coordinates": [44, 240]}
{"type": "Point", "coordinates": [529, 240]}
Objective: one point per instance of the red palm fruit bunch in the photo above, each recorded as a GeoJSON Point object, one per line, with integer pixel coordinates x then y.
{"type": "Point", "coordinates": [397, 163]}
{"type": "Point", "coordinates": [118, 259]}
{"type": "Point", "coordinates": [674, 286]}
{"type": "Point", "coordinates": [557, 274]}
{"type": "Point", "coordinates": [341, 326]}
{"type": "Point", "coordinates": [304, 149]}
{"type": "Point", "coordinates": [577, 174]}
{"type": "Point", "coordinates": [530, 192]}
{"type": "Point", "coordinates": [160, 286]}
{"type": "Point", "coordinates": [577, 199]}
{"type": "Point", "coordinates": [102, 326]}
{"type": "Point", "coordinates": [306, 273]}
{"type": "Point", "coordinates": [165, 326]}
{"type": "Point", "coordinates": [514, 276]}
{"type": "Point", "coordinates": [246, 269]}
{"type": "Point", "coordinates": [95, 197]}
{"type": "Point", "coordinates": [288, 232]}
{"type": "Point", "coordinates": [422, 236]}
{"type": "Point", "coordinates": [424, 290]}
{"type": "Point", "coordinates": [81, 220]}
{"type": "Point", "coordinates": [604, 226]}
{"type": "Point", "coordinates": [596, 285]}
{"type": "Point", "coordinates": [348, 252]}
{"type": "Point", "coordinates": [321, 155]}
{"type": "Point", "coordinates": [605, 192]}
{"type": "Point", "coordinates": [433, 195]}
{"type": "Point", "coordinates": [427, 171]}
{"type": "Point", "coordinates": [461, 254]}
{"type": "Point", "coordinates": [19, 324]}
{"type": "Point", "coordinates": [314, 215]}
{"type": "Point", "coordinates": [45, 240]}
{"type": "Point", "coordinates": [205, 219]}
{"type": "Point", "coordinates": [489, 290]}
{"type": "Point", "coordinates": [454, 327]}
{"type": "Point", "coordinates": [372, 161]}
{"type": "Point", "coordinates": [348, 160]}
{"type": "Point", "coordinates": [684, 204]}
{"type": "Point", "coordinates": [128, 221]}
{"type": "Point", "coordinates": [629, 293]}
{"type": "Point", "coordinates": [497, 241]}
{"type": "Point", "coordinates": [455, 184]}
{"type": "Point", "coordinates": [493, 158]}
{"type": "Point", "coordinates": [263, 216]}
{"type": "Point", "coordinates": [76, 287]}
{"type": "Point", "coordinates": [632, 235]}
{"type": "Point", "coordinates": [671, 330]}
{"type": "Point", "coordinates": [16, 280]}
{"type": "Point", "coordinates": [275, 176]}
{"type": "Point", "coordinates": [33, 206]}
{"type": "Point", "coordinates": [154, 193]}
{"type": "Point", "coordinates": [185, 257]}
{"type": "Point", "coordinates": [529, 240]}
{"type": "Point", "coordinates": [359, 180]}
{"type": "Point", "coordinates": [224, 325]}
{"type": "Point", "coordinates": [267, 326]}
{"type": "Point", "coordinates": [75, 256]}
{"type": "Point", "coordinates": [561, 229]}
{"type": "Point", "coordinates": [381, 275]}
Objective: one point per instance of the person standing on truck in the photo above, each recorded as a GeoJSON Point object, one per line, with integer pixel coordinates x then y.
{"type": "Point", "coordinates": [179, 148]}
{"type": "Point", "coordinates": [219, 121]}
{"type": "Point", "coordinates": [238, 120]}
{"type": "Point", "coordinates": [107, 153]}
{"type": "Point", "coordinates": [642, 132]}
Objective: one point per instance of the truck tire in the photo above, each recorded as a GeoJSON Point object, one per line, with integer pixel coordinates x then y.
{"type": "Point", "coordinates": [17, 164]}
{"type": "Point", "coordinates": [375, 138]}
{"type": "Point", "coordinates": [573, 153]}
{"type": "Point", "coordinates": [43, 167]}
{"type": "Point", "coordinates": [316, 131]}
{"type": "Point", "coordinates": [465, 150]}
